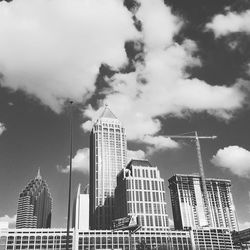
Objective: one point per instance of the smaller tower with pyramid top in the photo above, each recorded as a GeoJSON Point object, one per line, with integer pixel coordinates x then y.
{"type": "Point", "coordinates": [34, 205]}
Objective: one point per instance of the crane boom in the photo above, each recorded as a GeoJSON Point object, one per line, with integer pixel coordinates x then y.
{"type": "Point", "coordinates": [201, 168]}
{"type": "Point", "coordinates": [191, 136]}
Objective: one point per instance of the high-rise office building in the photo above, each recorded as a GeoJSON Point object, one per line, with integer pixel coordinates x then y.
{"type": "Point", "coordinates": [108, 151]}
{"type": "Point", "coordinates": [34, 205]}
{"type": "Point", "coordinates": [80, 218]}
{"type": "Point", "coordinates": [188, 202]}
{"type": "Point", "coordinates": [140, 191]}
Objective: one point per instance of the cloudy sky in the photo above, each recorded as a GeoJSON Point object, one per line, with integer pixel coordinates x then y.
{"type": "Point", "coordinates": [163, 68]}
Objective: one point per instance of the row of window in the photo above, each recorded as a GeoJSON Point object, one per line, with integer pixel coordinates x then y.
{"type": "Point", "coordinates": [147, 208]}
{"type": "Point", "coordinates": [145, 184]}
{"type": "Point", "coordinates": [104, 124]}
{"type": "Point", "coordinates": [145, 173]}
{"type": "Point", "coordinates": [125, 240]}
{"type": "Point", "coordinates": [145, 196]}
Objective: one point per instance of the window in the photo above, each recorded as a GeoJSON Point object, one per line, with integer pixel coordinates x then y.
{"type": "Point", "coordinates": [143, 173]}
{"type": "Point", "coordinates": [140, 195]}
{"type": "Point", "coordinates": [153, 185]}
{"type": "Point", "coordinates": [136, 184]}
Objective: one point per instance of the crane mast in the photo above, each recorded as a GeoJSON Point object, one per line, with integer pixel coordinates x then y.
{"type": "Point", "coordinates": [201, 168]}
{"type": "Point", "coordinates": [203, 179]}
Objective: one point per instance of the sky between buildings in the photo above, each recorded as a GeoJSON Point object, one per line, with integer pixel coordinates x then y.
{"type": "Point", "coordinates": [163, 68]}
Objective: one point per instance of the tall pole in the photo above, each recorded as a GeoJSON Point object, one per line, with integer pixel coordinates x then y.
{"type": "Point", "coordinates": [70, 171]}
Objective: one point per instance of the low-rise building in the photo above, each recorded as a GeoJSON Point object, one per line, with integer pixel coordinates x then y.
{"type": "Point", "coordinates": [11, 239]}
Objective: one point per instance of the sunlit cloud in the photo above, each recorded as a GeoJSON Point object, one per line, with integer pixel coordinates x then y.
{"type": "Point", "coordinates": [11, 220]}
{"type": "Point", "coordinates": [231, 22]}
{"type": "Point", "coordinates": [135, 155]}
{"type": "Point", "coordinates": [52, 49]}
{"type": "Point", "coordinates": [80, 162]}
{"type": "Point", "coordinates": [160, 86]}
{"type": "Point", "coordinates": [235, 159]}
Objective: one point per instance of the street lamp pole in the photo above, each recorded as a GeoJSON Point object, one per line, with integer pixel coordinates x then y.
{"type": "Point", "coordinates": [70, 171]}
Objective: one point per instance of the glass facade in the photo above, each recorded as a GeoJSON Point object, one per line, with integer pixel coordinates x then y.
{"type": "Point", "coordinates": [108, 149]}
{"type": "Point", "coordinates": [34, 205]}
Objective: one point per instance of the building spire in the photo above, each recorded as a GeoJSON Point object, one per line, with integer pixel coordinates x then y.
{"type": "Point", "coordinates": [39, 174]}
{"type": "Point", "coordinates": [107, 113]}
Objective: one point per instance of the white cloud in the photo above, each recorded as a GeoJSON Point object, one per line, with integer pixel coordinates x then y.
{"type": "Point", "coordinates": [159, 28]}
{"type": "Point", "coordinates": [2, 128]}
{"type": "Point", "coordinates": [244, 225]}
{"type": "Point", "coordinates": [80, 162]}
{"type": "Point", "coordinates": [157, 143]}
{"type": "Point", "coordinates": [135, 155]}
{"type": "Point", "coordinates": [87, 126]}
{"type": "Point", "coordinates": [11, 220]}
{"type": "Point", "coordinates": [235, 159]}
{"type": "Point", "coordinates": [161, 86]}
{"type": "Point", "coordinates": [223, 25]}
{"type": "Point", "coordinates": [53, 49]}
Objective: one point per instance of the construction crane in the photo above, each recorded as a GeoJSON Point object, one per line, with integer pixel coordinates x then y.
{"type": "Point", "coordinates": [201, 167]}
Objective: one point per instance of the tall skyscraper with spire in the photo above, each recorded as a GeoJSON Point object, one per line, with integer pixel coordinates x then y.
{"type": "Point", "coordinates": [34, 205]}
{"type": "Point", "coordinates": [108, 155]}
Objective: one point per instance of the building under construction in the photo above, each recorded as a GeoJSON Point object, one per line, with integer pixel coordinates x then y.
{"type": "Point", "coordinates": [189, 209]}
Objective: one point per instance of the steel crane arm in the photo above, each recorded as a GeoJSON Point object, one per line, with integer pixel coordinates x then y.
{"type": "Point", "coordinates": [191, 137]}
{"type": "Point", "coordinates": [196, 137]}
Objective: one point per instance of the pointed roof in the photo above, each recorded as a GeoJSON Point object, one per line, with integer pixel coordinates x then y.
{"type": "Point", "coordinates": [38, 174]}
{"type": "Point", "coordinates": [107, 113]}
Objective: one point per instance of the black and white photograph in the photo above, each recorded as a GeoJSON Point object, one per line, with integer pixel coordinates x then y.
{"type": "Point", "coordinates": [124, 124]}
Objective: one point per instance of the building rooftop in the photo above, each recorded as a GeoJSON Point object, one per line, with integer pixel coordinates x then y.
{"type": "Point", "coordinates": [107, 113]}
{"type": "Point", "coordinates": [139, 163]}
{"type": "Point", "coordinates": [198, 176]}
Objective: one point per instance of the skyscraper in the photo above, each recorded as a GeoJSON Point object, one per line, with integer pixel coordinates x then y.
{"type": "Point", "coordinates": [188, 202]}
{"type": "Point", "coordinates": [34, 205]}
{"type": "Point", "coordinates": [108, 151]}
{"type": "Point", "coordinates": [140, 191]}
